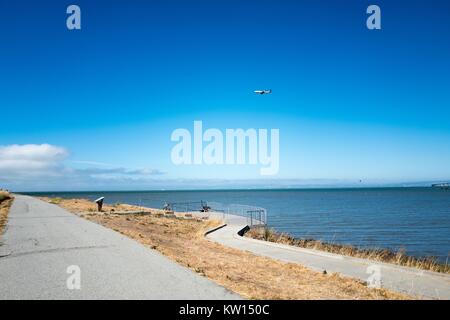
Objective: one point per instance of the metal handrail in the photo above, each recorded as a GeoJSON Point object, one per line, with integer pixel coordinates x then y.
{"type": "Point", "coordinates": [256, 216]}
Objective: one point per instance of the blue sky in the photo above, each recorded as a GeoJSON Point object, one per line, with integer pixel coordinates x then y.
{"type": "Point", "coordinates": [351, 103]}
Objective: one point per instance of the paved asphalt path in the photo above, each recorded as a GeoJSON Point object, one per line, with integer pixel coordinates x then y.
{"type": "Point", "coordinates": [42, 241]}
{"type": "Point", "coordinates": [419, 283]}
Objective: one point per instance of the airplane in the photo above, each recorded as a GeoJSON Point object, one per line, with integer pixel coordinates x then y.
{"type": "Point", "coordinates": [263, 91]}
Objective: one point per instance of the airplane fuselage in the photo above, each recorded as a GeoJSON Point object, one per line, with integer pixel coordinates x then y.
{"type": "Point", "coordinates": [263, 91]}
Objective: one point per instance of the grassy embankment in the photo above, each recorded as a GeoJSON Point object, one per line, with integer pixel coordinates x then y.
{"type": "Point", "coordinates": [381, 255]}
{"type": "Point", "coordinates": [5, 203]}
{"type": "Point", "coordinates": [182, 240]}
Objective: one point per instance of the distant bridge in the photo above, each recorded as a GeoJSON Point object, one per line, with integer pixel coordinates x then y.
{"type": "Point", "coordinates": [445, 185]}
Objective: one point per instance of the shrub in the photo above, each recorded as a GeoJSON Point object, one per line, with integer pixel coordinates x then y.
{"type": "Point", "coordinates": [4, 195]}
{"type": "Point", "coordinates": [55, 200]}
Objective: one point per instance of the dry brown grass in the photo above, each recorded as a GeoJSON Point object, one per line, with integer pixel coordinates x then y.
{"type": "Point", "coordinates": [381, 255]}
{"type": "Point", "coordinates": [6, 201]}
{"type": "Point", "coordinates": [249, 275]}
{"type": "Point", "coordinates": [88, 207]}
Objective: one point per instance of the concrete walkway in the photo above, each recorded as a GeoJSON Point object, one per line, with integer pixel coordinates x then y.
{"type": "Point", "coordinates": [43, 240]}
{"type": "Point", "coordinates": [419, 283]}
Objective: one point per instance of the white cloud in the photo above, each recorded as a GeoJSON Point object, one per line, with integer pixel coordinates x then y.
{"type": "Point", "coordinates": [33, 166]}
{"type": "Point", "coordinates": [37, 152]}
{"type": "Point", "coordinates": [30, 159]}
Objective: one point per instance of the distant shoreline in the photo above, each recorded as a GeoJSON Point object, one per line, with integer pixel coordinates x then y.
{"type": "Point", "coordinates": [229, 189]}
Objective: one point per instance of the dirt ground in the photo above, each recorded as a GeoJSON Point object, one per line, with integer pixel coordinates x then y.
{"type": "Point", "coordinates": [251, 276]}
